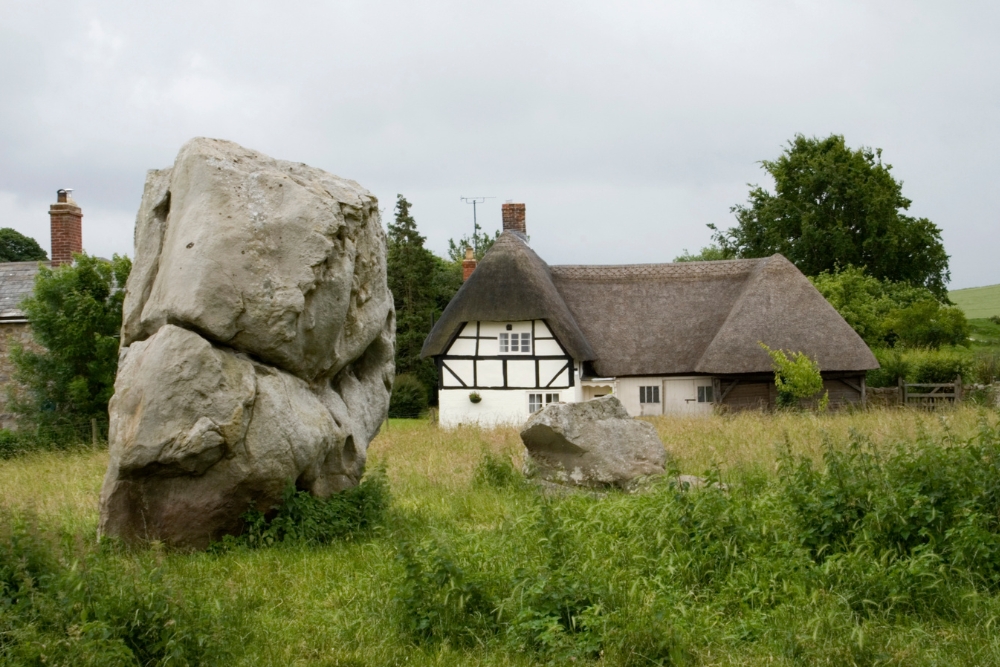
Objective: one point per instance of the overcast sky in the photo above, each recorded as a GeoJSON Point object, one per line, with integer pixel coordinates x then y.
{"type": "Point", "coordinates": [625, 127]}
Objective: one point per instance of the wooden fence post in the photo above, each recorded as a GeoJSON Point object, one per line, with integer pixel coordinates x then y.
{"type": "Point", "coordinates": [902, 391]}
{"type": "Point", "coordinates": [93, 431]}
{"type": "Point", "coordinates": [958, 389]}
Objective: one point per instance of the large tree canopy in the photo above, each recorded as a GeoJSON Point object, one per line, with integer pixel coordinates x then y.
{"type": "Point", "coordinates": [834, 207]}
{"type": "Point", "coordinates": [16, 247]}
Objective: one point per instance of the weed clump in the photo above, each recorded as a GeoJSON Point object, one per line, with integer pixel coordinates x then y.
{"type": "Point", "coordinates": [305, 519]}
{"type": "Point", "coordinates": [496, 471]}
{"type": "Point", "coordinates": [63, 602]}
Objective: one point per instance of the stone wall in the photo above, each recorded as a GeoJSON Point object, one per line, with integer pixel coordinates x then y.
{"type": "Point", "coordinates": [9, 333]}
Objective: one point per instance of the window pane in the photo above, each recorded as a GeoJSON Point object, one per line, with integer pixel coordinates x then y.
{"type": "Point", "coordinates": [642, 394]}
{"type": "Point", "coordinates": [551, 398]}
{"type": "Point", "coordinates": [709, 395]}
{"type": "Point", "coordinates": [534, 402]}
{"type": "Point", "coordinates": [503, 343]}
{"type": "Point", "coordinates": [701, 394]}
{"type": "Point", "coordinates": [656, 394]}
{"type": "Point", "coordinates": [526, 342]}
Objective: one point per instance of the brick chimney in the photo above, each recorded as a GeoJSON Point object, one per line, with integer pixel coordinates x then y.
{"type": "Point", "coordinates": [468, 264]}
{"type": "Point", "coordinates": [67, 228]}
{"type": "Point", "coordinates": [513, 219]}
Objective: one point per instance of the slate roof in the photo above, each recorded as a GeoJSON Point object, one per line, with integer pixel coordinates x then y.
{"type": "Point", "coordinates": [659, 319]}
{"type": "Point", "coordinates": [17, 280]}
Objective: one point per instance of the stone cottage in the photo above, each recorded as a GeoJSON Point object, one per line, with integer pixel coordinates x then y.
{"type": "Point", "coordinates": [17, 279]}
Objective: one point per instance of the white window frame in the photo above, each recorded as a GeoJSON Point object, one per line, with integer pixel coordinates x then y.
{"type": "Point", "coordinates": [649, 394]}
{"type": "Point", "coordinates": [538, 400]}
{"type": "Point", "coordinates": [706, 394]}
{"type": "Point", "coordinates": [514, 342]}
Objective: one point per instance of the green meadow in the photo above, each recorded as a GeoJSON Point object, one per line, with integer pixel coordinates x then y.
{"type": "Point", "coordinates": [858, 538]}
{"type": "Point", "coordinates": [978, 302]}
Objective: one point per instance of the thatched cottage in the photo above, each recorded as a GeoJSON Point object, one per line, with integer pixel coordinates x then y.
{"type": "Point", "coordinates": [17, 280]}
{"type": "Point", "coordinates": [664, 338]}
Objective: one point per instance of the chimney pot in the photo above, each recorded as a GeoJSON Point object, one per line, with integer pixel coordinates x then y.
{"type": "Point", "coordinates": [468, 264]}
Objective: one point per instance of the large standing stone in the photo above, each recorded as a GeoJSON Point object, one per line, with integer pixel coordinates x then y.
{"type": "Point", "coordinates": [257, 344]}
{"type": "Point", "coordinates": [591, 444]}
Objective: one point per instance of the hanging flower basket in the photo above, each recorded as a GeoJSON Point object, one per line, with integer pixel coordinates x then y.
{"type": "Point", "coordinates": [475, 397]}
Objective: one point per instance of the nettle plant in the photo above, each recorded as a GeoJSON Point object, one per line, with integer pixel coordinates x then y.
{"type": "Point", "coordinates": [797, 378]}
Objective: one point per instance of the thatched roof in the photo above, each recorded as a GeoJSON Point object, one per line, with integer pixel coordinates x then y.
{"type": "Point", "coordinates": [659, 319]}
{"type": "Point", "coordinates": [705, 317]}
{"type": "Point", "coordinates": [511, 283]}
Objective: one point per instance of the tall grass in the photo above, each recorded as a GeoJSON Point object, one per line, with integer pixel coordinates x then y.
{"type": "Point", "coordinates": [866, 538]}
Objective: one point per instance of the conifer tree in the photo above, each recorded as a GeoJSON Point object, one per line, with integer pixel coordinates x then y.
{"type": "Point", "coordinates": [421, 285]}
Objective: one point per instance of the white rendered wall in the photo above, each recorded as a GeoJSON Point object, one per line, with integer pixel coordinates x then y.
{"type": "Point", "coordinates": [499, 407]}
{"type": "Point", "coordinates": [678, 395]}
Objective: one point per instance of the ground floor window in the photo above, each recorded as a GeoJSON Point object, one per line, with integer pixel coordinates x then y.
{"type": "Point", "coordinates": [537, 401]}
{"type": "Point", "coordinates": [705, 395]}
{"type": "Point", "coordinates": [649, 394]}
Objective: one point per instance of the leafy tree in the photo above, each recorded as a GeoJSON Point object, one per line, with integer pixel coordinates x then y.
{"type": "Point", "coordinates": [885, 313]}
{"type": "Point", "coordinates": [421, 285]}
{"type": "Point", "coordinates": [76, 314]}
{"type": "Point", "coordinates": [833, 206]}
{"type": "Point", "coordinates": [709, 253]}
{"type": "Point", "coordinates": [480, 242]}
{"type": "Point", "coordinates": [16, 247]}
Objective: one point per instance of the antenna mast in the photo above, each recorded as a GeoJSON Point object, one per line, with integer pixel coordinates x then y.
{"type": "Point", "coordinates": [475, 223]}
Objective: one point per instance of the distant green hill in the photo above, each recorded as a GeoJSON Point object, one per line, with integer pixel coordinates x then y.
{"type": "Point", "coordinates": [977, 302]}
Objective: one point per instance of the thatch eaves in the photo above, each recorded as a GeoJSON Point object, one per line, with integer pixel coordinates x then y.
{"type": "Point", "coordinates": [511, 283]}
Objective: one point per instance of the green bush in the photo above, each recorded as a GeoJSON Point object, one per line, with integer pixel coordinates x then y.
{"type": "Point", "coordinates": [929, 324]}
{"type": "Point", "coordinates": [305, 519]}
{"type": "Point", "coordinates": [75, 312]}
{"type": "Point", "coordinates": [409, 397]}
{"type": "Point", "coordinates": [919, 365]}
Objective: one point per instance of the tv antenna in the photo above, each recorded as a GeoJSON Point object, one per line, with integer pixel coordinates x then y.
{"type": "Point", "coordinates": [475, 224]}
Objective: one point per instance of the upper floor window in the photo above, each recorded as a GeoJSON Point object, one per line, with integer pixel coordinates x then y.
{"type": "Point", "coordinates": [649, 394]}
{"type": "Point", "coordinates": [515, 343]}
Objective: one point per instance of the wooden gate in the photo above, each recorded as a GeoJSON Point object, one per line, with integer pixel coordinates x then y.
{"type": "Point", "coordinates": [931, 396]}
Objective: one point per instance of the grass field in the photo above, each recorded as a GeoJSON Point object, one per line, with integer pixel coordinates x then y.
{"type": "Point", "coordinates": [471, 567]}
{"type": "Point", "coordinates": [977, 302]}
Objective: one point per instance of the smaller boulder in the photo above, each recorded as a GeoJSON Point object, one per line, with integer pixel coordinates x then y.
{"type": "Point", "coordinates": [594, 444]}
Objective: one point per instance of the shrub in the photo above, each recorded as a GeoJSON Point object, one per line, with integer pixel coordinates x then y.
{"type": "Point", "coordinates": [75, 312]}
{"type": "Point", "coordinates": [940, 366]}
{"type": "Point", "coordinates": [305, 519]}
{"type": "Point", "coordinates": [797, 378]}
{"type": "Point", "coordinates": [919, 365]}
{"type": "Point", "coordinates": [929, 324]}
{"type": "Point", "coordinates": [995, 319]}
{"type": "Point", "coordinates": [409, 397]}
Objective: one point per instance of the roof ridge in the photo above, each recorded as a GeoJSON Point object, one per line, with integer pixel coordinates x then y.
{"type": "Point", "coordinates": [724, 267]}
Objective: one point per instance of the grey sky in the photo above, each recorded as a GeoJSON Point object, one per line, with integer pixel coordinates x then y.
{"type": "Point", "coordinates": [625, 127]}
